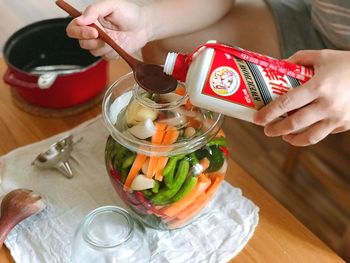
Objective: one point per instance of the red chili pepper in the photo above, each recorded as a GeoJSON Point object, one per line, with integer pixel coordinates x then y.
{"type": "Point", "coordinates": [224, 150]}
{"type": "Point", "coordinates": [113, 172]}
{"type": "Point", "coordinates": [151, 209]}
{"type": "Point", "coordinates": [140, 196]}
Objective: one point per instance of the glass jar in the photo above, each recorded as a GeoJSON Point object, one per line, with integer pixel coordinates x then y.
{"type": "Point", "coordinates": [165, 157]}
{"type": "Point", "coordinates": [110, 234]}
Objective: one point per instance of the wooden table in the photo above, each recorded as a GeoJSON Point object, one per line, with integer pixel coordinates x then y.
{"type": "Point", "coordinates": [279, 237]}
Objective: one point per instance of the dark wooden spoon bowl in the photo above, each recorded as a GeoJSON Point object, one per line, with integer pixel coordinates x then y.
{"type": "Point", "coordinates": [149, 76]}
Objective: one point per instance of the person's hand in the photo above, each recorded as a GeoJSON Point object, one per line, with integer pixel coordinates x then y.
{"type": "Point", "coordinates": [322, 104]}
{"type": "Point", "coordinates": [125, 22]}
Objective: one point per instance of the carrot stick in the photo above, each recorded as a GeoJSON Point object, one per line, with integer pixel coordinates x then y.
{"type": "Point", "coordinates": [198, 204]}
{"type": "Point", "coordinates": [217, 178]}
{"type": "Point", "coordinates": [202, 200]}
{"type": "Point", "coordinates": [188, 105]}
{"type": "Point", "coordinates": [193, 122]}
{"type": "Point", "coordinates": [204, 164]}
{"type": "Point", "coordinates": [220, 134]}
{"type": "Point", "coordinates": [202, 184]}
{"type": "Point", "coordinates": [162, 161]}
{"type": "Point", "coordinates": [170, 127]}
{"type": "Point", "coordinates": [180, 91]}
{"type": "Point", "coordinates": [152, 166]}
{"type": "Point", "coordinates": [157, 138]}
{"type": "Point", "coordinates": [170, 137]}
{"type": "Point", "coordinates": [185, 214]}
{"type": "Point", "coordinates": [135, 168]}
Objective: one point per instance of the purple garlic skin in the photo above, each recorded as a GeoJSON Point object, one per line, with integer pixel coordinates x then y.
{"type": "Point", "coordinates": [16, 206]}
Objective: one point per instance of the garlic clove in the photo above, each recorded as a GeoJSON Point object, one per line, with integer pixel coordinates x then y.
{"type": "Point", "coordinates": [142, 182]}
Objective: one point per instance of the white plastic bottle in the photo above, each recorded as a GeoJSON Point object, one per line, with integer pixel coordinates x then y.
{"type": "Point", "coordinates": [233, 81]}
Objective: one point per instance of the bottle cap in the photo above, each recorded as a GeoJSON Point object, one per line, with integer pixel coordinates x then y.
{"type": "Point", "coordinates": [177, 64]}
{"type": "Point", "coordinates": [170, 63]}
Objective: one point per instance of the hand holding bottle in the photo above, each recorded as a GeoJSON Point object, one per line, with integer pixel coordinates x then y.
{"type": "Point", "coordinates": [322, 104]}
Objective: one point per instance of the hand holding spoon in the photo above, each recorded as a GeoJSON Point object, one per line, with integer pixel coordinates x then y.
{"type": "Point", "coordinates": [149, 76]}
{"type": "Point", "coordinates": [16, 206]}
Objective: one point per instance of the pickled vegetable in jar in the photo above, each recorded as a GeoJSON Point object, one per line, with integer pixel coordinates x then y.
{"type": "Point", "coordinates": [165, 157]}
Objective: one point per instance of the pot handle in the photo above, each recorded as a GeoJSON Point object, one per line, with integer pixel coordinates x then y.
{"type": "Point", "coordinates": [11, 80]}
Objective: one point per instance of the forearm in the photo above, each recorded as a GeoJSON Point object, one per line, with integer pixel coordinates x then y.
{"type": "Point", "coordinates": [176, 17]}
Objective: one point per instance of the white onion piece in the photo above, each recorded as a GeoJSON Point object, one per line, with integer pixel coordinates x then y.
{"type": "Point", "coordinates": [143, 130]}
{"type": "Point", "coordinates": [142, 182]}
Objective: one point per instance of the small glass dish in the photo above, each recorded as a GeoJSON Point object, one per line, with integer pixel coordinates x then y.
{"type": "Point", "coordinates": [110, 234]}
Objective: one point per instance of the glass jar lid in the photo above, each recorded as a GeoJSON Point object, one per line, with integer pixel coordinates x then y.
{"type": "Point", "coordinates": [107, 227]}
{"type": "Point", "coordinates": [156, 124]}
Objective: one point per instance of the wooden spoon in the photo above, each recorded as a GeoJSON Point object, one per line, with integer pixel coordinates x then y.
{"type": "Point", "coordinates": [16, 206]}
{"type": "Point", "coordinates": [149, 76]}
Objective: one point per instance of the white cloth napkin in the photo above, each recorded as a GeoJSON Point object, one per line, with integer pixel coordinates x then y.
{"type": "Point", "coordinates": [219, 233]}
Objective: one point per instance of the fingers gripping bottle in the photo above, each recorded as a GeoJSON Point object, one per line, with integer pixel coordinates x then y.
{"type": "Point", "coordinates": [233, 81]}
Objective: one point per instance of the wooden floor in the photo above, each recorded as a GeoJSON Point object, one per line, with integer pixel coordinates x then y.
{"type": "Point", "coordinates": [262, 157]}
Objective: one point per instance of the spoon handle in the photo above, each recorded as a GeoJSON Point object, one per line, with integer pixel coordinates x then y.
{"type": "Point", "coordinates": [101, 34]}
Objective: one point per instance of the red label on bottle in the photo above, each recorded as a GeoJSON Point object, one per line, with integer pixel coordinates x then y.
{"type": "Point", "coordinates": [249, 79]}
{"type": "Point", "coordinates": [226, 82]}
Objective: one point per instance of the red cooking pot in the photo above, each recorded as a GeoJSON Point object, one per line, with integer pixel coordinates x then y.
{"type": "Point", "coordinates": [48, 69]}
